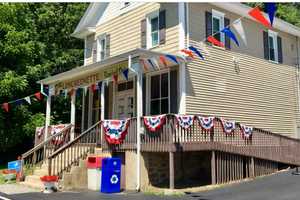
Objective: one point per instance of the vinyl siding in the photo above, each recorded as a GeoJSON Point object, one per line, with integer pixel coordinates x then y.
{"type": "Point", "coordinates": [125, 30]}
{"type": "Point", "coordinates": [262, 94]}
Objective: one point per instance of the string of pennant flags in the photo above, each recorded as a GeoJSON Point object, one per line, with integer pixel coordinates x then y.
{"type": "Point", "coordinates": [155, 63]}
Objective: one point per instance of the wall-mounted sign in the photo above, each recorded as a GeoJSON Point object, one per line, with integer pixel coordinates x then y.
{"type": "Point", "coordinates": [92, 78]}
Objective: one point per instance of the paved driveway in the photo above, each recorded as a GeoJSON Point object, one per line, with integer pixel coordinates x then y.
{"type": "Point", "coordinates": [282, 186]}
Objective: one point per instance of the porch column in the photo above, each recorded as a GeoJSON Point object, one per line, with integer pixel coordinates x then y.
{"type": "Point", "coordinates": [252, 168]}
{"type": "Point", "coordinates": [73, 109]}
{"type": "Point", "coordinates": [102, 101]}
{"type": "Point", "coordinates": [48, 116]}
{"type": "Point", "coordinates": [90, 108]}
{"type": "Point", "coordinates": [182, 86]}
{"type": "Point", "coordinates": [83, 110]}
{"type": "Point", "coordinates": [139, 114]}
{"type": "Point", "coordinates": [171, 170]}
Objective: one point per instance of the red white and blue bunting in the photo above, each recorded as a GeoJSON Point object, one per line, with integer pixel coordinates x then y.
{"type": "Point", "coordinates": [154, 123]}
{"type": "Point", "coordinates": [185, 121]}
{"type": "Point", "coordinates": [228, 126]}
{"type": "Point", "coordinates": [206, 123]}
{"type": "Point", "coordinates": [246, 131]}
{"type": "Point", "coordinates": [115, 130]}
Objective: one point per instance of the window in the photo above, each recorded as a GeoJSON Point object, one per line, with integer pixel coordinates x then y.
{"type": "Point", "coordinates": [273, 52]}
{"type": "Point", "coordinates": [101, 48]}
{"type": "Point", "coordinates": [159, 94]}
{"type": "Point", "coordinates": [218, 25]}
{"type": "Point", "coordinates": [153, 27]}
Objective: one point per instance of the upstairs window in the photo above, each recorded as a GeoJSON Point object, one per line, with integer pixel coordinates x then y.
{"type": "Point", "coordinates": [218, 25]}
{"type": "Point", "coordinates": [103, 47]}
{"type": "Point", "coordinates": [273, 53]}
{"type": "Point", "coordinates": [272, 46]}
{"type": "Point", "coordinates": [153, 27]}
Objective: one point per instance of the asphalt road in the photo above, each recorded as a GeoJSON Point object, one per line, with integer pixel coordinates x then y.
{"type": "Point", "coordinates": [282, 186]}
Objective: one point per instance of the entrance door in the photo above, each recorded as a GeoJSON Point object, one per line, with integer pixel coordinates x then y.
{"type": "Point", "coordinates": [125, 100]}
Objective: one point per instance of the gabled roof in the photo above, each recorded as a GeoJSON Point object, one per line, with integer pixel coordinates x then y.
{"type": "Point", "coordinates": [95, 11]}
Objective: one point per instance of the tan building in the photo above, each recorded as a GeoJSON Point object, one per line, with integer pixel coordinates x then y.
{"type": "Point", "coordinates": [255, 84]}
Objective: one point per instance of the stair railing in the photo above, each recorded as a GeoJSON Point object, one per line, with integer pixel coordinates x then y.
{"type": "Point", "coordinates": [70, 154]}
{"type": "Point", "coordinates": [43, 150]}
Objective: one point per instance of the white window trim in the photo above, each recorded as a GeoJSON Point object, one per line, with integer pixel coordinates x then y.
{"type": "Point", "coordinates": [148, 89]}
{"type": "Point", "coordinates": [99, 39]}
{"type": "Point", "coordinates": [221, 16]}
{"type": "Point", "coordinates": [274, 36]}
{"type": "Point", "coordinates": [149, 38]}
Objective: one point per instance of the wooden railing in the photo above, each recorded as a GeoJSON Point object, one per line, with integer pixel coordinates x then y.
{"type": "Point", "coordinates": [262, 144]}
{"type": "Point", "coordinates": [70, 154]}
{"type": "Point", "coordinates": [42, 151]}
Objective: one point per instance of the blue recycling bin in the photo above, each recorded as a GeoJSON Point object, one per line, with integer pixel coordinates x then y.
{"type": "Point", "coordinates": [14, 165]}
{"type": "Point", "coordinates": [111, 175]}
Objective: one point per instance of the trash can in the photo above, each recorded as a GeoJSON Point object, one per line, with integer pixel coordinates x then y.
{"type": "Point", "coordinates": [111, 175]}
{"type": "Point", "coordinates": [94, 164]}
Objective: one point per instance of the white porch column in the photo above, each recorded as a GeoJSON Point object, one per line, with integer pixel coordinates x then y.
{"type": "Point", "coordinates": [182, 66]}
{"type": "Point", "coordinates": [73, 110]}
{"type": "Point", "coordinates": [139, 96]}
{"type": "Point", "coordinates": [83, 110]}
{"type": "Point", "coordinates": [48, 116]}
{"type": "Point", "coordinates": [102, 101]}
{"type": "Point", "coordinates": [90, 108]}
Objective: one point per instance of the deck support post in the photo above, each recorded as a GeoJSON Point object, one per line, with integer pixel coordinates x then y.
{"type": "Point", "coordinates": [48, 116]}
{"type": "Point", "coordinates": [90, 108]}
{"type": "Point", "coordinates": [213, 167]}
{"type": "Point", "coordinates": [171, 170]}
{"type": "Point", "coordinates": [73, 110]}
{"type": "Point", "coordinates": [252, 169]}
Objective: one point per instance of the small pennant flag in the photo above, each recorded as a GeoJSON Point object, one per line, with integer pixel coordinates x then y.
{"type": "Point", "coordinates": [71, 92]}
{"type": "Point", "coordinates": [65, 93]}
{"type": "Point", "coordinates": [257, 14]}
{"type": "Point", "coordinates": [27, 99]}
{"type": "Point", "coordinates": [99, 85]}
{"type": "Point", "coordinates": [115, 78]}
{"type": "Point", "coordinates": [85, 90]}
{"type": "Point", "coordinates": [78, 92]}
{"type": "Point", "coordinates": [93, 88]}
{"type": "Point", "coordinates": [46, 90]}
{"type": "Point", "coordinates": [38, 96]}
{"type": "Point", "coordinates": [237, 24]}
{"type": "Point", "coordinates": [163, 61]}
{"type": "Point", "coordinates": [151, 63]}
{"type": "Point", "coordinates": [231, 35]}
{"type": "Point", "coordinates": [125, 74]}
{"type": "Point", "coordinates": [18, 102]}
{"type": "Point", "coordinates": [196, 52]}
{"type": "Point", "coordinates": [154, 61]}
{"type": "Point", "coordinates": [271, 9]}
{"type": "Point", "coordinates": [144, 65]}
{"type": "Point", "coordinates": [188, 53]}
{"type": "Point", "coordinates": [214, 41]}
{"type": "Point", "coordinates": [172, 58]}
{"type": "Point", "coordinates": [5, 107]}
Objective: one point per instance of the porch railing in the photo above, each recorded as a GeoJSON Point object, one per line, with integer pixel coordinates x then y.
{"type": "Point", "coordinates": [70, 154]}
{"type": "Point", "coordinates": [44, 149]}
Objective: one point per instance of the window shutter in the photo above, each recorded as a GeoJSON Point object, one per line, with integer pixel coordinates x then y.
{"type": "Point", "coordinates": [94, 51]}
{"type": "Point", "coordinates": [107, 46]}
{"type": "Point", "coordinates": [173, 92]}
{"type": "Point", "coordinates": [162, 27]}
{"type": "Point", "coordinates": [208, 23]}
{"type": "Point", "coordinates": [227, 39]}
{"type": "Point", "coordinates": [279, 46]}
{"type": "Point", "coordinates": [144, 33]}
{"type": "Point", "coordinates": [266, 45]}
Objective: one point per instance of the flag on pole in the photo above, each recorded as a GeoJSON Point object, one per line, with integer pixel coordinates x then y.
{"type": "Point", "coordinates": [5, 107]}
{"type": "Point", "coordinates": [257, 15]}
{"type": "Point", "coordinates": [271, 9]}
{"type": "Point", "coordinates": [125, 74]}
{"type": "Point", "coordinates": [27, 99]}
{"type": "Point", "coordinates": [238, 26]}
{"type": "Point", "coordinates": [214, 41]}
{"type": "Point", "coordinates": [231, 35]}
{"type": "Point", "coordinates": [38, 96]}
{"type": "Point", "coordinates": [172, 58]}
{"type": "Point", "coordinates": [196, 52]}
{"type": "Point", "coordinates": [163, 61]}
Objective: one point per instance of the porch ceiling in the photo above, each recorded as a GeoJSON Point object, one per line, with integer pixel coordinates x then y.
{"type": "Point", "coordinates": [89, 69]}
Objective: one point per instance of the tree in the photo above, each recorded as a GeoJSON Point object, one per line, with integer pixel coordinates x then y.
{"type": "Point", "coordinates": [35, 42]}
